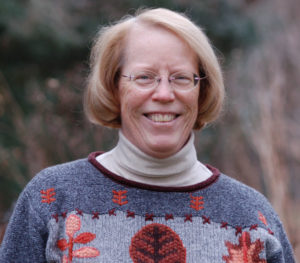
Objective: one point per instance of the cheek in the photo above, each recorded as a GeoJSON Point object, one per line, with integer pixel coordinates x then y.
{"type": "Point", "coordinates": [191, 103]}
{"type": "Point", "coordinates": [192, 111]}
{"type": "Point", "coordinates": [131, 102]}
{"type": "Point", "coordinates": [125, 95]}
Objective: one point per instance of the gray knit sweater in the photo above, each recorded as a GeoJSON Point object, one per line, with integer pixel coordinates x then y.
{"type": "Point", "coordinates": [81, 212]}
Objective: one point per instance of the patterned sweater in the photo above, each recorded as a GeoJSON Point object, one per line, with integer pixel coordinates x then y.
{"type": "Point", "coordinates": [81, 212]}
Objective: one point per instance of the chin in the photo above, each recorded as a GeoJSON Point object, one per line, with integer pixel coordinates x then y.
{"type": "Point", "coordinates": [163, 151]}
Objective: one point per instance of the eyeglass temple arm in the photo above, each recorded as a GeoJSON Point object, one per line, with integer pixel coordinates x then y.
{"type": "Point", "coordinates": [126, 76]}
{"type": "Point", "coordinates": [197, 78]}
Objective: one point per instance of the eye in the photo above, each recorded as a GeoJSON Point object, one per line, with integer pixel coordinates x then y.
{"type": "Point", "coordinates": [181, 78]}
{"type": "Point", "coordinates": [144, 78]}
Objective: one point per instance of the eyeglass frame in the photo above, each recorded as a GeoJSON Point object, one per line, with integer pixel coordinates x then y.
{"type": "Point", "coordinates": [158, 79]}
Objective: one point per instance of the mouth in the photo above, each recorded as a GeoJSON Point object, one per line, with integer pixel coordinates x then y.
{"type": "Point", "coordinates": [161, 117]}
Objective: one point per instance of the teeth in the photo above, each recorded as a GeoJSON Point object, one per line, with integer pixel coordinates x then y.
{"type": "Point", "coordinates": [157, 117]}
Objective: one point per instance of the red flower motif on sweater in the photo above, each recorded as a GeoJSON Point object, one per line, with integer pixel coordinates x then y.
{"type": "Point", "coordinates": [73, 225]}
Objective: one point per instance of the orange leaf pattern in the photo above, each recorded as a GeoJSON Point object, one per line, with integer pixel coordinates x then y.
{"type": "Point", "coordinates": [157, 243]}
{"type": "Point", "coordinates": [47, 195]}
{"type": "Point", "coordinates": [262, 218]}
{"type": "Point", "coordinates": [197, 202]}
{"type": "Point", "coordinates": [119, 196]}
{"type": "Point", "coordinates": [62, 244]}
{"type": "Point", "coordinates": [84, 238]}
{"type": "Point", "coordinates": [244, 252]}
{"type": "Point", "coordinates": [86, 252]}
{"type": "Point", "coordinates": [73, 225]}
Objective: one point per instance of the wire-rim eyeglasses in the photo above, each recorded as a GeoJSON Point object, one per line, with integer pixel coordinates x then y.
{"type": "Point", "coordinates": [180, 81]}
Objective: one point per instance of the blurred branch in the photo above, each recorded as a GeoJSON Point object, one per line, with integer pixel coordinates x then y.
{"type": "Point", "coordinates": [12, 106]}
{"type": "Point", "coordinates": [263, 88]}
{"type": "Point", "coordinates": [17, 117]}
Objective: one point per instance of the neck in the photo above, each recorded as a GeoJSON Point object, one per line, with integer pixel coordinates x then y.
{"type": "Point", "coordinates": [179, 169]}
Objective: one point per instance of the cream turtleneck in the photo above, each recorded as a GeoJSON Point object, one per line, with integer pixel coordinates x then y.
{"type": "Point", "coordinates": [180, 169]}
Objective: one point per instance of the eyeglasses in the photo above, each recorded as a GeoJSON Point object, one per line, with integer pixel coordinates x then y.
{"type": "Point", "coordinates": [181, 81]}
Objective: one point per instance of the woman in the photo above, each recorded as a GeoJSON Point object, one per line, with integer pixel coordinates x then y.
{"type": "Point", "coordinates": [156, 78]}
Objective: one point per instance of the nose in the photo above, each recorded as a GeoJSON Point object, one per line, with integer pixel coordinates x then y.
{"type": "Point", "coordinates": [164, 92]}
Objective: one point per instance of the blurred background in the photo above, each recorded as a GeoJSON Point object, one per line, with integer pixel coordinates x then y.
{"type": "Point", "coordinates": [44, 53]}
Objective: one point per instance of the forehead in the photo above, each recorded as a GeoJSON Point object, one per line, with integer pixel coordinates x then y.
{"type": "Point", "coordinates": [150, 42]}
{"type": "Point", "coordinates": [143, 33]}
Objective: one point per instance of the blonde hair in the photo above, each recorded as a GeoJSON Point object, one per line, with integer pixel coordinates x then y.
{"type": "Point", "coordinates": [101, 102]}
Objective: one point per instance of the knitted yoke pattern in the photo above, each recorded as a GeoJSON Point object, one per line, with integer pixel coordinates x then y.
{"type": "Point", "coordinates": [81, 212]}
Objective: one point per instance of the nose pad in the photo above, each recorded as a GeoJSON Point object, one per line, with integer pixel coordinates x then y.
{"type": "Point", "coordinates": [164, 92]}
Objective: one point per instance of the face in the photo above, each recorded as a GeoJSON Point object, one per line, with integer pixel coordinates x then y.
{"type": "Point", "coordinates": [158, 121]}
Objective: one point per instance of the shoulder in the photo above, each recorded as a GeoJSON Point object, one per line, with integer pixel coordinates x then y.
{"type": "Point", "coordinates": [240, 192]}
{"type": "Point", "coordinates": [61, 174]}
{"type": "Point", "coordinates": [64, 180]}
{"type": "Point", "coordinates": [66, 169]}
{"type": "Point", "coordinates": [62, 187]}
{"type": "Point", "coordinates": [242, 204]}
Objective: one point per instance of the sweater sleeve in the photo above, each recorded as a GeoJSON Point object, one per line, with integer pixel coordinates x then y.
{"type": "Point", "coordinates": [287, 252]}
{"type": "Point", "coordinates": [26, 234]}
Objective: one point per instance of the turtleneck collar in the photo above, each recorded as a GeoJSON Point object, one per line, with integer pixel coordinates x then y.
{"type": "Point", "coordinates": [180, 169]}
{"type": "Point", "coordinates": [153, 167]}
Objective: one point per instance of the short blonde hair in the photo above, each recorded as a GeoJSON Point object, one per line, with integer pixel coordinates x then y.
{"type": "Point", "coordinates": [101, 102]}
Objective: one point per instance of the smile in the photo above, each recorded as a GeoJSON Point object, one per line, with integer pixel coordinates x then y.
{"type": "Point", "coordinates": [159, 117]}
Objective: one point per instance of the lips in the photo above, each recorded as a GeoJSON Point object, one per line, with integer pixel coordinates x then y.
{"type": "Point", "coordinates": [161, 117]}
